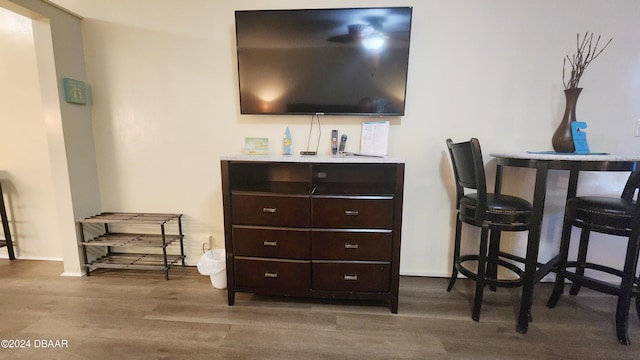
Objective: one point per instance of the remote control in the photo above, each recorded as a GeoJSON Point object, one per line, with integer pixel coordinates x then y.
{"type": "Point", "coordinates": [343, 143]}
{"type": "Point", "coordinates": [334, 142]}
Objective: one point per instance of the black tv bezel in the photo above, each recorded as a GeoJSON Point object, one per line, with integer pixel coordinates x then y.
{"type": "Point", "coordinates": [375, 114]}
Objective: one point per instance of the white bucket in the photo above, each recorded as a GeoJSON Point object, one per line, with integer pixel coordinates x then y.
{"type": "Point", "coordinates": [213, 263]}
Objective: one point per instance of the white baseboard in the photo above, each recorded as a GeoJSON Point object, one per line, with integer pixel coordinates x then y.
{"type": "Point", "coordinates": [548, 278]}
{"type": "Point", "coordinates": [73, 273]}
{"type": "Point", "coordinates": [423, 274]}
{"type": "Point", "coordinates": [22, 257]}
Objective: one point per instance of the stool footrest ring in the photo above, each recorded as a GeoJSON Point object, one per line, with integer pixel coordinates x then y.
{"type": "Point", "coordinates": [595, 284]}
{"type": "Point", "coordinates": [508, 283]}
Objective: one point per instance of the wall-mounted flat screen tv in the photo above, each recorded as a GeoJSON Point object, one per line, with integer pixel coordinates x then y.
{"type": "Point", "coordinates": [323, 61]}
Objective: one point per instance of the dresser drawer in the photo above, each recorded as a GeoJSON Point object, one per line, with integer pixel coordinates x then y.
{"type": "Point", "coordinates": [351, 245]}
{"type": "Point", "coordinates": [272, 210]}
{"type": "Point", "coordinates": [373, 277]}
{"type": "Point", "coordinates": [289, 275]}
{"type": "Point", "coordinates": [375, 212]}
{"type": "Point", "coordinates": [269, 242]}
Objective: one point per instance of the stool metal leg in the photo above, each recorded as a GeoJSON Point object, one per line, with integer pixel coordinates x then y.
{"type": "Point", "coordinates": [582, 258]}
{"type": "Point", "coordinates": [558, 288]}
{"type": "Point", "coordinates": [492, 264]}
{"type": "Point", "coordinates": [456, 254]}
{"type": "Point", "coordinates": [638, 306]}
{"type": "Point", "coordinates": [626, 288]}
{"type": "Point", "coordinates": [482, 264]}
{"type": "Point", "coordinates": [5, 226]}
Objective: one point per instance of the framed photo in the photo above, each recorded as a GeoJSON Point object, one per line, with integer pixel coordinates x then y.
{"type": "Point", "coordinates": [256, 146]}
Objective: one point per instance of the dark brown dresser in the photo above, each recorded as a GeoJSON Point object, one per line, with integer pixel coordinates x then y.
{"type": "Point", "coordinates": [321, 227]}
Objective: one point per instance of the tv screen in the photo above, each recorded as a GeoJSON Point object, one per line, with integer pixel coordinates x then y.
{"type": "Point", "coordinates": [323, 61]}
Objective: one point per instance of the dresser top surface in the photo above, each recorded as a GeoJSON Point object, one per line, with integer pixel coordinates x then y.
{"type": "Point", "coordinates": [314, 159]}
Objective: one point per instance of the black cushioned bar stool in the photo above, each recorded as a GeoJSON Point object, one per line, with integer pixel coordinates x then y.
{"type": "Point", "coordinates": [613, 216]}
{"type": "Point", "coordinates": [489, 212]}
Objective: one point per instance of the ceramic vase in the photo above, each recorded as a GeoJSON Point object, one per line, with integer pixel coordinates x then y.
{"type": "Point", "coordinates": [562, 139]}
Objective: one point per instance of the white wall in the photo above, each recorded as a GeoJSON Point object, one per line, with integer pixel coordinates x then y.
{"type": "Point", "coordinates": [68, 137]}
{"type": "Point", "coordinates": [165, 104]}
{"type": "Point", "coordinates": [26, 180]}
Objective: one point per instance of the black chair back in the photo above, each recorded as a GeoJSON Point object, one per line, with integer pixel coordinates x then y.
{"type": "Point", "coordinates": [632, 186]}
{"type": "Point", "coordinates": [468, 170]}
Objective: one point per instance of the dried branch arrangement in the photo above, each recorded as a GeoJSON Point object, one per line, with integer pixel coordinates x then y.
{"type": "Point", "coordinates": [586, 52]}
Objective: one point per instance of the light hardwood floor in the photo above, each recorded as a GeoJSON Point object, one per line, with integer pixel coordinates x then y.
{"type": "Point", "coordinates": [139, 315]}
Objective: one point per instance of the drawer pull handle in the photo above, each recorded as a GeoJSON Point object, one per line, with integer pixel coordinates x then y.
{"type": "Point", "coordinates": [350, 246]}
{"type": "Point", "coordinates": [269, 274]}
{"type": "Point", "coordinates": [350, 277]}
{"type": "Point", "coordinates": [270, 243]}
{"type": "Point", "coordinates": [351, 212]}
{"type": "Point", "coordinates": [269, 210]}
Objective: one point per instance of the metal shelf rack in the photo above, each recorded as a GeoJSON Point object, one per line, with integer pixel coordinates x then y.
{"type": "Point", "coordinates": [115, 243]}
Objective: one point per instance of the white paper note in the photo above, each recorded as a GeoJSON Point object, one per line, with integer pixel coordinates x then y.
{"type": "Point", "coordinates": [375, 138]}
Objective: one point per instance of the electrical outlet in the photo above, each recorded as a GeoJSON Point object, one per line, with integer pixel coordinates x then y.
{"type": "Point", "coordinates": [638, 128]}
{"type": "Point", "coordinates": [207, 245]}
